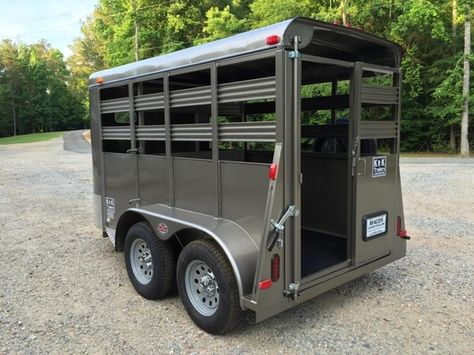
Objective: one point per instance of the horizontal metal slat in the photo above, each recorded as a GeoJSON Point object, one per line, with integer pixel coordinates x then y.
{"type": "Point", "coordinates": [247, 132]}
{"type": "Point", "coordinates": [149, 102]}
{"type": "Point", "coordinates": [381, 95]}
{"type": "Point", "coordinates": [116, 133]}
{"type": "Point", "coordinates": [377, 129]}
{"type": "Point", "coordinates": [115, 105]}
{"type": "Point", "coordinates": [246, 90]}
{"type": "Point", "coordinates": [192, 132]}
{"type": "Point", "coordinates": [190, 97]}
{"type": "Point", "coordinates": [150, 133]}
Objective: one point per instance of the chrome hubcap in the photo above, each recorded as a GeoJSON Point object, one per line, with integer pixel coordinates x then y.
{"type": "Point", "coordinates": [141, 261]}
{"type": "Point", "coordinates": [202, 288]}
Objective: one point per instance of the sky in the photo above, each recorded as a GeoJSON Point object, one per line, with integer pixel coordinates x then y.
{"type": "Point", "coordinates": [56, 21]}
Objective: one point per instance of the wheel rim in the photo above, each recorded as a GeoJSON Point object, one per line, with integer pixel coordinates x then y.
{"type": "Point", "coordinates": [141, 261]}
{"type": "Point", "coordinates": [202, 288]}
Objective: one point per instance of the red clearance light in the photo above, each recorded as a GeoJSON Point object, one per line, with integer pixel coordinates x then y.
{"type": "Point", "coordinates": [275, 268]}
{"type": "Point", "coordinates": [273, 39]}
{"type": "Point", "coordinates": [272, 173]}
{"type": "Point", "coordinates": [99, 80]}
{"type": "Point", "coordinates": [399, 225]}
{"type": "Point", "coordinates": [265, 284]}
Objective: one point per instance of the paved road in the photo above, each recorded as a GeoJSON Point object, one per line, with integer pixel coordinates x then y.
{"type": "Point", "coordinates": [74, 141]}
{"type": "Point", "coordinates": [453, 160]}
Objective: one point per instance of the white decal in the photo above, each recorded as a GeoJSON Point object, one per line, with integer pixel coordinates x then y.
{"type": "Point", "coordinates": [376, 225]}
{"type": "Point", "coordinates": [379, 166]}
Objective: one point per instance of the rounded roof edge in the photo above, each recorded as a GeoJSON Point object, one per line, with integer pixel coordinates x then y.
{"type": "Point", "coordinates": [242, 43]}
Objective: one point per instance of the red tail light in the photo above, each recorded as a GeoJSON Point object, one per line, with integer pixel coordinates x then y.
{"type": "Point", "coordinates": [264, 284]}
{"type": "Point", "coordinates": [275, 268]}
{"type": "Point", "coordinates": [272, 173]}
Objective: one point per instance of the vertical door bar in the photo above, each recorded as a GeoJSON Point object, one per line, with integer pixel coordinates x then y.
{"type": "Point", "coordinates": [169, 159]}
{"type": "Point", "coordinates": [133, 142]}
{"type": "Point", "coordinates": [215, 139]}
{"type": "Point", "coordinates": [353, 151]}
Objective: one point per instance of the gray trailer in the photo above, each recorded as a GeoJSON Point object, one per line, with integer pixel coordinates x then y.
{"type": "Point", "coordinates": [253, 172]}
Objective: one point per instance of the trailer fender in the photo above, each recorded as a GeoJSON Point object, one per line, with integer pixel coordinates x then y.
{"type": "Point", "coordinates": [240, 249]}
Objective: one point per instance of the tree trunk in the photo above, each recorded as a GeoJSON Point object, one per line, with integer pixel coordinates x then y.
{"type": "Point", "coordinates": [452, 136]}
{"type": "Point", "coordinates": [345, 22]}
{"type": "Point", "coordinates": [465, 86]}
{"type": "Point", "coordinates": [135, 24]}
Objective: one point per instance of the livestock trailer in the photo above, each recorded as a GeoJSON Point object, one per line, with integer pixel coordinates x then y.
{"type": "Point", "coordinates": [253, 172]}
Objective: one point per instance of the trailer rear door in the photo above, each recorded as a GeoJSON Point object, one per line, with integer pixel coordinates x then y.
{"type": "Point", "coordinates": [375, 146]}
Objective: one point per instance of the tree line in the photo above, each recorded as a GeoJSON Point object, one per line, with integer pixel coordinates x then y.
{"type": "Point", "coordinates": [436, 64]}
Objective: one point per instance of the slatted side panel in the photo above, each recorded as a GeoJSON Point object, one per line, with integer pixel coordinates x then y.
{"type": "Point", "coordinates": [377, 129]}
{"type": "Point", "coordinates": [380, 95]}
{"type": "Point", "coordinates": [192, 132]}
{"type": "Point", "coordinates": [149, 102]}
{"type": "Point", "coordinates": [247, 131]}
{"type": "Point", "coordinates": [116, 133]}
{"type": "Point", "coordinates": [115, 105]}
{"type": "Point", "coordinates": [191, 97]}
{"type": "Point", "coordinates": [150, 133]}
{"type": "Point", "coordinates": [246, 90]}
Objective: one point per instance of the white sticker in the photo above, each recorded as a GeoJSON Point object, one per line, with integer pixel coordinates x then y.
{"type": "Point", "coordinates": [376, 225]}
{"type": "Point", "coordinates": [379, 166]}
{"type": "Point", "coordinates": [110, 207]}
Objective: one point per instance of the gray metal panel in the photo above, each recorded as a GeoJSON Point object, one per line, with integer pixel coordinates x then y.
{"type": "Point", "coordinates": [194, 185]}
{"type": "Point", "coordinates": [244, 189]}
{"type": "Point", "coordinates": [153, 179]}
{"type": "Point", "coordinates": [151, 133]}
{"type": "Point", "coordinates": [149, 102]}
{"type": "Point", "coordinates": [120, 182]}
{"type": "Point", "coordinates": [191, 97]}
{"type": "Point", "coordinates": [192, 132]}
{"type": "Point", "coordinates": [247, 42]}
{"type": "Point", "coordinates": [255, 89]}
{"type": "Point", "coordinates": [375, 195]}
{"type": "Point", "coordinates": [115, 105]}
{"type": "Point", "coordinates": [248, 131]}
{"type": "Point", "coordinates": [378, 129]}
{"type": "Point", "coordinates": [116, 133]}
{"type": "Point", "coordinates": [380, 95]}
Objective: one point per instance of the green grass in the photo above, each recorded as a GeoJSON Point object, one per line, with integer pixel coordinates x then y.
{"type": "Point", "coordinates": [30, 138]}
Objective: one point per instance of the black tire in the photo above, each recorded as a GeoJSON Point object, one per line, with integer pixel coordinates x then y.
{"type": "Point", "coordinates": [163, 279]}
{"type": "Point", "coordinates": [228, 312]}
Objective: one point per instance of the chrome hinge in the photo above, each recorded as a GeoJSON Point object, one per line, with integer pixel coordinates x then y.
{"type": "Point", "coordinates": [293, 54]}
{"type": "Point", "coordinates": [292, 290]}
{"type": "Point", "coordinates": [279, 227]}
{"type": "Point", "coordinates": [134, 150]}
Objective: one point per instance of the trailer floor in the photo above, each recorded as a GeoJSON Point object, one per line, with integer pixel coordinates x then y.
{"type": "Point", "coordinates": [320, 251]}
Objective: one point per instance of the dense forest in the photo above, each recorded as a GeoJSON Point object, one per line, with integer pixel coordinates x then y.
{"type": "Point", "coordinates": [41, 91]}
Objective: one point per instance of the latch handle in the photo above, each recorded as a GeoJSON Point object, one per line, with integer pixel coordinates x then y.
{"type": "Point", "coordinates": [279, 226]}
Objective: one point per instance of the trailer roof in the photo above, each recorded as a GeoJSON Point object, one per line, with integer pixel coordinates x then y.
{"type": "Point", "coordinates": [318, 38]}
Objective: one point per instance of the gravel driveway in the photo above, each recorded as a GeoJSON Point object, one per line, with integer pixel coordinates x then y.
{"type": "Point", "coordinates": [64, 290]}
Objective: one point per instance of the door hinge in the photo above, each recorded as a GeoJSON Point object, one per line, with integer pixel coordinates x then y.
{"type": "Point", "coordinates": [292, 290]}
{"type": "Point", "coordinates": [134, 200]}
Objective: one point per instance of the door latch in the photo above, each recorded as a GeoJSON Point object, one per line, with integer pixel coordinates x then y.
{"type": "Point", "coordinates": [279, 226]}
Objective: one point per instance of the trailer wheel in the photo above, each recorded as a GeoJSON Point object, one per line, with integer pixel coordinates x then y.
{"type": "Point", "coordinates": [208, 288]}
{"type": "Point", "coordinates": [150, 262]}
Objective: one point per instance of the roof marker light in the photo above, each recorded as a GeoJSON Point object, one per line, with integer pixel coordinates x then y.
{"type": "Point", "coordinates": [273, 39]}
{"type": "Point", "coordinates": [99, 80]}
